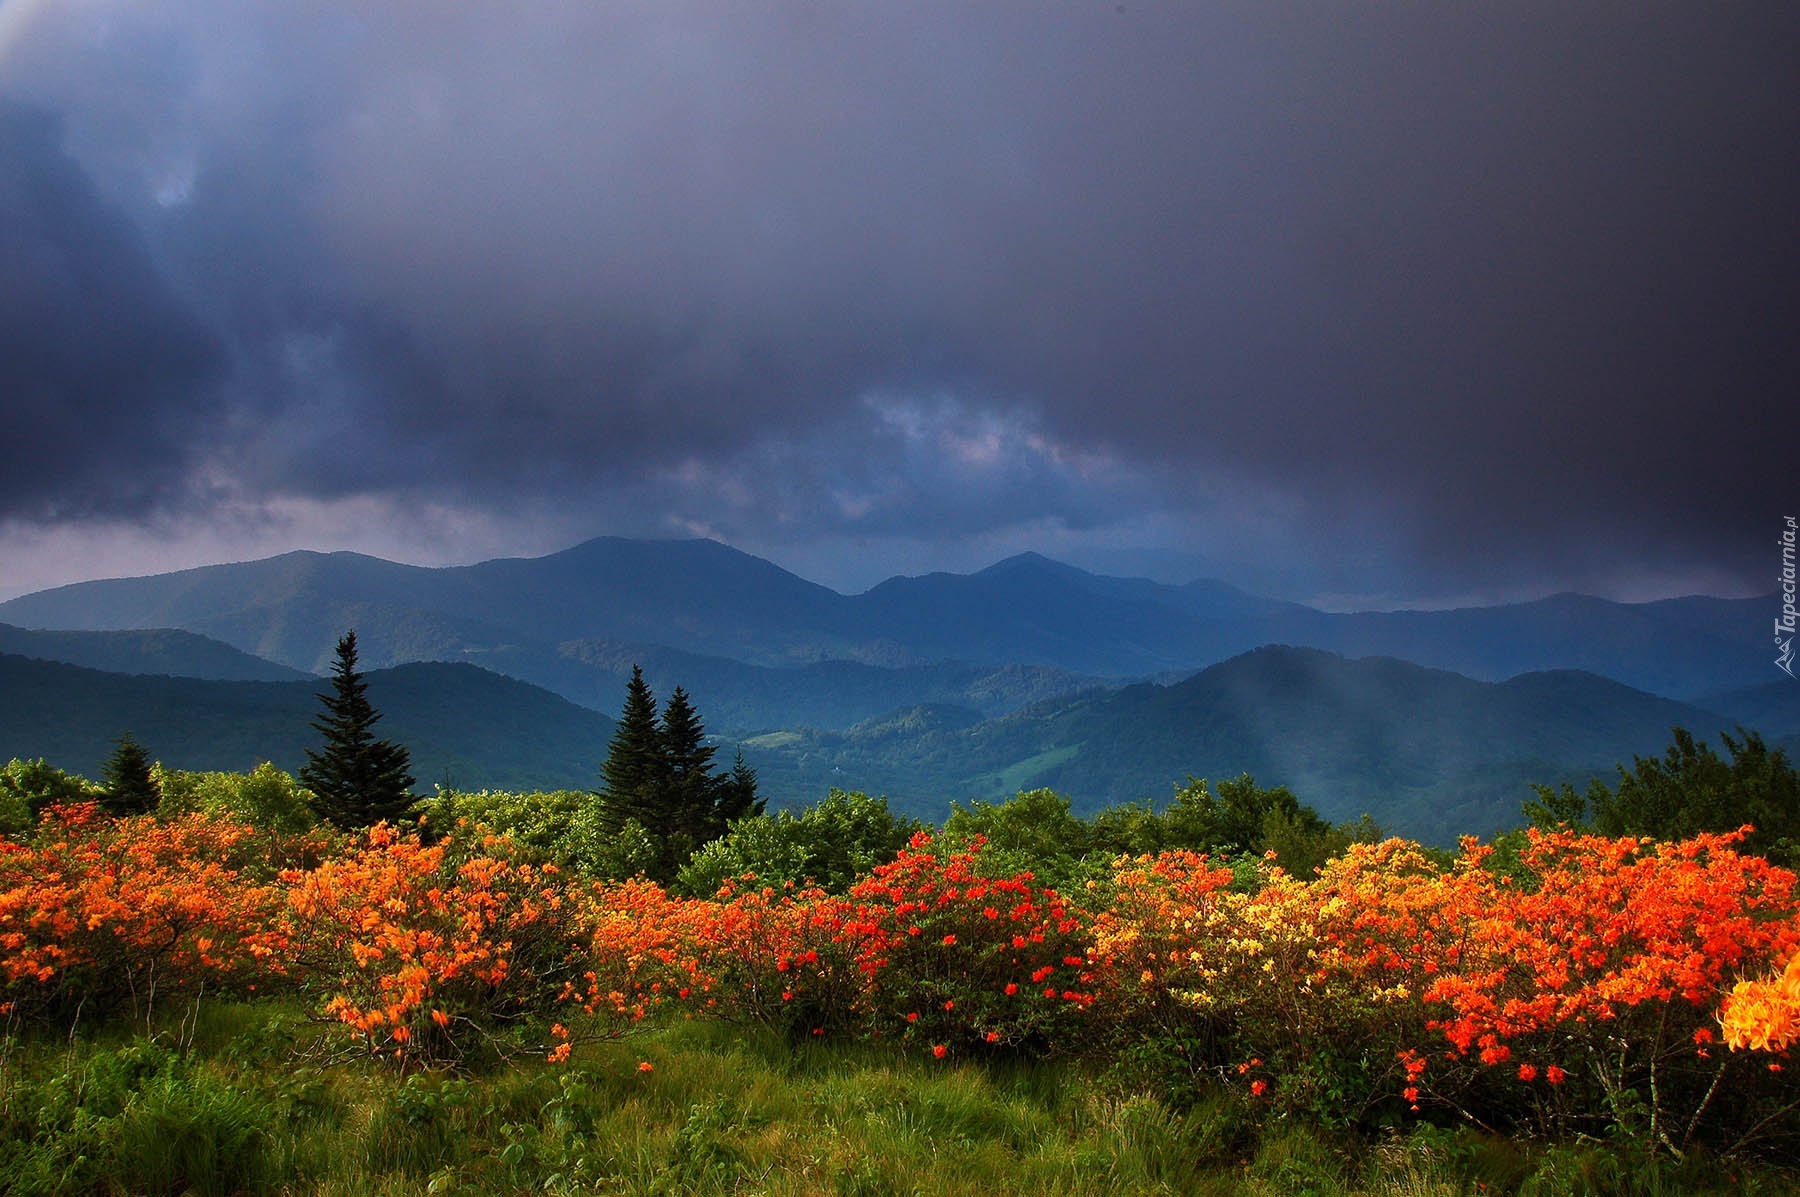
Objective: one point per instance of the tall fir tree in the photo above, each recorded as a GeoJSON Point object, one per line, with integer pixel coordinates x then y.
{"type": "Point", "coordinates": [634, 769]}
{"type": "Point", "coordinates": [131, 787]}
{"type": "Point", "coordinates": [356, 780]}
{"type": "Point", "coordinates": [692, 789]}
{"type": "Point", "coordinates": [659, 774]}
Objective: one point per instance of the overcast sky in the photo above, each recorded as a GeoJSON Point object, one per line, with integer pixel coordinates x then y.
{"type": "Point", "coordinates": [1368, 303]}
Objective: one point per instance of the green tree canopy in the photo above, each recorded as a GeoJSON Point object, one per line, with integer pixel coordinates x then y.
{"type": "Point", "coordinates": [830, 844]}
{"type": "Point", "coordinates": [26, 787]}
{"type": "Point", "coordinates": [1689, 789]}
{"type": "Point", "coordinates": [356, 780]}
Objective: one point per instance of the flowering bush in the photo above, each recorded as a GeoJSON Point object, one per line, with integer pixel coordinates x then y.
{"type": "Point", "coordinates": [952, 955]}
{"type": "Point", "coordinates": [96, 912]}
{"type": "Point", "coordinates": [411, 946]}
{"type": "Point", "coordinates": [1585, 987]}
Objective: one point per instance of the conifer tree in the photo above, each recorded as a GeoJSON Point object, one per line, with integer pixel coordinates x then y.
{"type": "Point", "coordinates": [634, 768]}
{"type": "Point", "coordinates": [691, 789]}
{"type": "Point", "coordinates": [356, 780]}
{"type": "Point", "coordinates": [737, 793]}
{"type": "Point", "coordinates": [130, 786]}
{"type": "Point", "coordinates": [659, 774]}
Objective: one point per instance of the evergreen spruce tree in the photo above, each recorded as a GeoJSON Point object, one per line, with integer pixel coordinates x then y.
{"type": "Point", "coordinates": [634, 768]}
{"type": "Point", "coordinates": [356, 780]}
{"type": "Point", "coordinates": [737, 793]}
{"type": "Point", "coordinates": [659, 775]}
{"type": "Point", "coordinates": [691, 789]}
{"type": "Point", "coordinates": [130, 786]}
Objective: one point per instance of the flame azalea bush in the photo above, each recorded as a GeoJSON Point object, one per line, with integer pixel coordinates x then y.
{"type": "Point", "coordinates": [97, 912]}
{"type": "Point", "coordinates": [751, 954]}
{"type": "Point", "coordinates": [1584, 986]}
{"type": "Point", "coordinates": [413, 946]}
{"type": "Point", "coordinates": [1245, 987]}
{"type": "Point", "coordinates": [1764, 1015]}
{"type": "Point", "coordinates": [926, 947]}
{"type": "Point", "coordinates": [1158, 944]}
{"type": "Point", "coordinates": [781, 957]}
{"type": "Point", "coordinates": [954, 956]}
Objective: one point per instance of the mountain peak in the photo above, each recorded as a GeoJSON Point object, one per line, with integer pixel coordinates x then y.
{"type": "Point", "coordinates": [1030, 562]}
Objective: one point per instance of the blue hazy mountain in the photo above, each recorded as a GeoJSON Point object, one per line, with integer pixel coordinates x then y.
{"type": "Point", "coordinates": [702, 598]}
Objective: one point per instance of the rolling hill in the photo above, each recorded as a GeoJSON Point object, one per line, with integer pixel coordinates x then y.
{"type": "Point", "coordinates": [464, 726]}
{"type": "Point", "coordinates": [153, 651]}
{"type": "Point", "coordinates": [1428, 753]}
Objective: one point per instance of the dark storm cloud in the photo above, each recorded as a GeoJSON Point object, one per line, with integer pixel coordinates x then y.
{"type": "Point", "coordinates": [106, 374]}
{"type": "Point", "coordinates": [1503, 290]}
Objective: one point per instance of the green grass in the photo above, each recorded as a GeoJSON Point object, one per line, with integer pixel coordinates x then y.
{"type": "Point", "coordinates": [1003, 783]}
{"type": "Point", "coordinates": [242, 1106]}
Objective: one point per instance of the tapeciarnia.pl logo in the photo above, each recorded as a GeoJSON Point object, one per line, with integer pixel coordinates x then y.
{"type": "Point", "coordinates": [1784, 625]}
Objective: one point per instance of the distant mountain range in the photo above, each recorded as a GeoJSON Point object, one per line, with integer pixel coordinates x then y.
{"type": "Point", "coordinates": [929, 689]}
{"type": "Point", "coordinates": [158, 650]}
{"type": "Point", "coordinates": [539, 618]}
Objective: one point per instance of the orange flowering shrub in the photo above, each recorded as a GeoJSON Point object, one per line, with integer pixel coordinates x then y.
{"type": "Point", "coordinates": [1155, 944]}
{"type": "Point", "coordinates": [410, 945]}
{"type": "Point", "coordinates": [1764, 1015]}
{"type": "Point", "coordinates": [952, 955]}
{"type": "Point", "coordinates": [1610, 928]}
{"type": "Point", "coordinates": [1245, 986]}
{"type": "Point", "coordinates": [97, 912]}
{"type": "Point", "coordinates": [781, 957]}
{"type": "Point", "coordinates": [749, 954]}
{"type": "Point", "coordinates": [1600, 964]}
{"type": "Point", "coordinates": [639, 947]}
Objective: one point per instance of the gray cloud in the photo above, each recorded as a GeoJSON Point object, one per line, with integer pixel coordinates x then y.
{"type": "Point", "coordinates": [107, 376]}
{"type": "Point", "coordinates": [1465, 296]}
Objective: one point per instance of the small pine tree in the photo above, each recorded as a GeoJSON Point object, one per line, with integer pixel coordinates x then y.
{"type": "Point", "coordinates": [130, 786]}
{"type": "Point", "coordinates": [356, 780]}
{"type": "Point", "coordinates": [737, 793]}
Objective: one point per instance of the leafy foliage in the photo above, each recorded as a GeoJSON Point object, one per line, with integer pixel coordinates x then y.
{"type": "Point", "coordinates": [829, 844]}
{"type": "Point", "coordinates": [1689, 790]}
{"type": "Point", "coordinates": [265, 797]}
{"type": "Point", "coordinates": [27, 787]}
